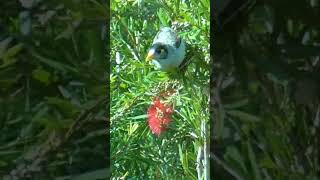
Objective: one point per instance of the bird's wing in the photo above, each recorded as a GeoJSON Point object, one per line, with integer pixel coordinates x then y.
{"type": "Point", "coordinates": [178, 42]}
{"type": "Point", "coordinates": [184, 63]}
{"type": "Point", "coordinates": [188, 58]}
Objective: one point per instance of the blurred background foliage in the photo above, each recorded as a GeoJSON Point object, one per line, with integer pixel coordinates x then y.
{"type": "Point", "coordinates": [135, 152]}
{"type": "Point", "coordinates": [266, 91]}
{"type": "Point", "coordinates": [53, 101]}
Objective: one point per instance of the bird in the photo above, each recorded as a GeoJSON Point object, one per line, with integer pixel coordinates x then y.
{"type": "Point", "coordinates": [168, 50]}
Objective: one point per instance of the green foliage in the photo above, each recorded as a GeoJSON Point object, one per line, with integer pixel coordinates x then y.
{"type": "Point", "coordinates": [135, 152]}
{"type": "Point", "coordinates": [266, 124]}
{"type": "Point", "coordinates": [52, 86]}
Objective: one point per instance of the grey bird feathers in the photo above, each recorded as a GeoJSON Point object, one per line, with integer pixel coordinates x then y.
{"type": "Point", "coordinates": [167, 51]}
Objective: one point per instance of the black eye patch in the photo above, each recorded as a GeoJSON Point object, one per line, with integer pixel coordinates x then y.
{"type": "Point", "coordinates": [161, 49]}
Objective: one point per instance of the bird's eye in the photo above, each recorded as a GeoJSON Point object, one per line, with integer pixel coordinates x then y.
{"type": "Point", "coordinates": [160, 51]}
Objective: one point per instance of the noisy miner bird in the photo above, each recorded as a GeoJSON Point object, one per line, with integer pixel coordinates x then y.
{"type": "Point", "coordinates": [167, 51]}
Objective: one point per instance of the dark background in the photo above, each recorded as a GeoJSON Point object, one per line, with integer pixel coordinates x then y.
{"type": "Point", "coordinates": [265, 95]}
{"type": "Point", "coordinates": [53, 89]}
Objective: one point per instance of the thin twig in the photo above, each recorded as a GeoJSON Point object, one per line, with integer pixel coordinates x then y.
{"type": "Point", "coordinates": [206, 165]}
{"type": "Point", "coordinates": [199, 163]}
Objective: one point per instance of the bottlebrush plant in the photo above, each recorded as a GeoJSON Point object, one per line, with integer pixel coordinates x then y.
{"type": "Point", "coordinates": [160, 112]}
{"type": "Point", "coordinates": [159, 116]}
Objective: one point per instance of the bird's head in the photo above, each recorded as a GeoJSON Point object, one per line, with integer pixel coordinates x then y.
{"type": "Point", "coordinates": [158, 52]}
{"type": "Point", "coordinates": [167, 50]}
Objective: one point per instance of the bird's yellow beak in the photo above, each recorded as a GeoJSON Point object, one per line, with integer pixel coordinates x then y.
{"type": "Point", "coordinates": [150, 55]}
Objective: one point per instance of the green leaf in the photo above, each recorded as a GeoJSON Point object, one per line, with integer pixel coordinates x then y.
{"type": "Point", "coordinates": [267, 162]}
{"type": "Point", "coordinates": [64, 106]}
{"type": "Point", "coordinates": [3, 45]}
{"type": "Point", "coordinates": [253, 163]}
{"type": "Point", "coordinates": [9, 55]}
{"type": "Point", "coordinates": [243, 116]}
{"type": "Point", "coordinates": [7, 83]}
{"type": "Point", "coordinates": [163, 17]}
{"type": "Point", "coordinates": [181, 154]}
{"type": "Point", "coordinates": [66, 33]}
{"type": "Point", "coordinates": [48, 122]}
{"type": "Point", "coordinates": [11, 52]}
{"type": "Point", "coordinates": [3, 163]}
{"type": "Point", "coordinates": [98, 90]}
{"type": "Point", "coordinates": [53, 63]}
{"type": "Point", "coordinates": [65, 93]}
{"type": "Point", "coordinates": [232, 153]}
{"type": "Point", "coordinates": [236, 104]}
{"type": "Point", "coordinates": [91, 135]}
{"type": "Point", "coordinates": [144, 116]}
{"type": "Point", "coordinates": [96, 44]}
{"type": "Point", "coordinates": [41, 75]}
{"type": "Point", "coordinates": [101, 8]}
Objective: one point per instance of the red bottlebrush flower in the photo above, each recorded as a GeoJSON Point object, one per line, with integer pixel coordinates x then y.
{"type": "Point", "coordinates": [159, 116]}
